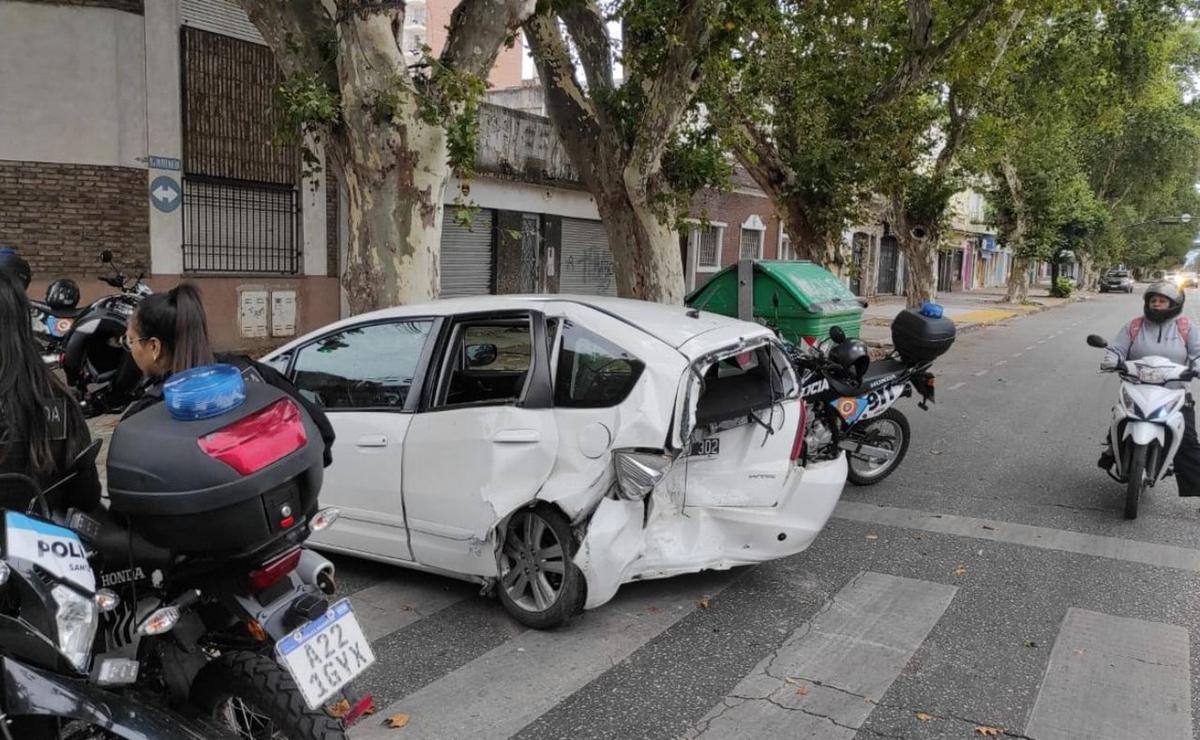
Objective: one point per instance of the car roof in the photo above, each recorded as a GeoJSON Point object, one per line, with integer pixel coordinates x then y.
{"type": "Point", "coordinates": [671, 324]}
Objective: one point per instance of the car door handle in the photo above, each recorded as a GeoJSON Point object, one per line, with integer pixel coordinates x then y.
{"type": "Point", "coordinates": [517, 436]}
{"type": "Point", "coordinates": [372, 440]}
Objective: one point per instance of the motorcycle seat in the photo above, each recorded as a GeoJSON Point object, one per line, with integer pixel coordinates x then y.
{"type": "Point", "coordinates": [61, 313]}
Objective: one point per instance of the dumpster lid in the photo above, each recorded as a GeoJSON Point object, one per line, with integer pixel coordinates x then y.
{"type": "Point", "coordinates": [815, 289]}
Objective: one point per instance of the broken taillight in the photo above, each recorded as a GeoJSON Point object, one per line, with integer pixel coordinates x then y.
{"type": "Point", "coordinates": [801, 428]}
{"type": "Point", "coordinates": [272, 571]}
{"type": "Point", "coordinates": [251, 444]}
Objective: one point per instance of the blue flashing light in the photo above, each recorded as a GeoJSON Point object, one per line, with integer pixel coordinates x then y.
{"type": "Point", "coordinates": [932, 310]}
{"type": "Point", "coordinates": [204, 392]}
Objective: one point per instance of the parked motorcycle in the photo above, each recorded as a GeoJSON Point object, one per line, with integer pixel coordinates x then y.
{"type": "Point", "coordinates": [852, 399]}
{"type": "Point", "coordinates": [225, 612]}
{"type": "Point", "coordinates": [99, 370]}
{"type": "Point", "coordinates": [50, 607]}
{"type": "Point", "coordinates": [1147, 425]}
{"type": "Point", "coordinates": [52, 319]}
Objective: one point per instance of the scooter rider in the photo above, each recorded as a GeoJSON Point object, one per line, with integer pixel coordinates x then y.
{"type": "Point", "coordinates": [1162, 331]}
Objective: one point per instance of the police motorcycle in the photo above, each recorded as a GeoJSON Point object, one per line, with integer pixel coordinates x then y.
{"type": "Point", "coordinates": [851, 400]}
{"type": "Point", "coordinates": [51, 684]}
{"type": "Point", "coordinates": [53, 318]}
{"type": "Point", "coordinates": [224, 613]}
{"type": "Point", "coordinates": [86, 342]}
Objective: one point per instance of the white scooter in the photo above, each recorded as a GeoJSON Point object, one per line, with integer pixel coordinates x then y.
{"type": "Point", "coordinates": [1147, 424]}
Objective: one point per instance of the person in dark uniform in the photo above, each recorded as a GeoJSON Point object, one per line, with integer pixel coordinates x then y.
{"type": "Point", "coordinates": [16, 267]}
{"type": "Point", "coordinates": [41, 426]}
{"type": "Point", "coordinates": [169, 334]}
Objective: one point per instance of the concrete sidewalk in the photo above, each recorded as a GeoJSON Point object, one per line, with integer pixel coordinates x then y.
{"type": "Point", "coordinates": [970, 310]}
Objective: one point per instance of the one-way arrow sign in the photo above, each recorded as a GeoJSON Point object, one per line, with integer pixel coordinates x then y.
{"type": "Point", "coordinates": [165, 193]}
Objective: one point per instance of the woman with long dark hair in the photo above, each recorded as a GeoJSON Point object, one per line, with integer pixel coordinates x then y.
{"type": "Point", "coordinates": [41, 426]}
{"type": "Point", "coordinates": [169, 334]}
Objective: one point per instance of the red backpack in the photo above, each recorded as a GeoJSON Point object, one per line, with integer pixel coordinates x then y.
{"type": "Point", "coordinates": [1181, 323]}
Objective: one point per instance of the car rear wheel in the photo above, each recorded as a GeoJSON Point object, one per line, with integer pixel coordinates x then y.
{"type": "Point", "coordinates": [539, 585]}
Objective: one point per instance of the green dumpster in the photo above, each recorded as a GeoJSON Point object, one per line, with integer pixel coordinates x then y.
{"type": "Point", "coordinates": [795, 298]}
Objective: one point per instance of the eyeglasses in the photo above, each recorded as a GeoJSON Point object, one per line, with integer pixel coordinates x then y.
{"type": "Point", "coordinates": [127, 343]}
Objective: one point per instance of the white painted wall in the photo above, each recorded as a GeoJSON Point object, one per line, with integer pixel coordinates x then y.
{"type": "Point", "coordinates": [72, 84]}
{"type": "Point", "coordinates": [517, 196]}
{"type": "Point", "coordinates": [164, 128]}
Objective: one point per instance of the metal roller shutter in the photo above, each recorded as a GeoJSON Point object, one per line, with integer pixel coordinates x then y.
{"type": "Point", "coordinates": [466, 259]}
{"type": "Point", "coordinates": [587, 262]}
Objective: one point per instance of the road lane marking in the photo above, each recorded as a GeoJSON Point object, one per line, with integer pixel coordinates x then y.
{"type": "Point", "coordinates": [829, 674]}
{"type": "Point", "coordinates": [981, 373]}
{"type": "Point", "coordinates": [1112, 678]}
{"type": "Point", "coordinates": [1017, 354]}
{"type": "Point", "coordinates": [998, 363]}
{"type": "Point", "coordinates": [386, 607]}
{"type": "Point", "coordinates": [1029, 348]}
{"type": "Point", "coordinates": [502, 691]}
{"type": "Point", "coordinates": [1134, 551]}
{"type": "Point", "coordinates": [956, 386]}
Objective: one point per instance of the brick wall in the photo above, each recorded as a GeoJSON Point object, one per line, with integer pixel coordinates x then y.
{"type": "Point", "coordinates": [733, 209]}
{"type": "Point", "coordinates": [129, 6]}
{"type": "Point", "coordinates": [61, 216]}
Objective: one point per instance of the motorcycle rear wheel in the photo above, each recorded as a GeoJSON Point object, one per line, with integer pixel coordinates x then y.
{"type": "Point", "coordinates": [889, 431]}
{"type": "Point", "coordinates": [257, 699]}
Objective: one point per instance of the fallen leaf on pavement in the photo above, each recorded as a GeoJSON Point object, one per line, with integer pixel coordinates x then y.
{"type": "Point", "coordinates": [924, 716]}
{"type": "Point", "coordinates": [960, 570]}
{"type": "Point", "coordinates": [802, 691]}
{"type": "Point", "coordinates": [703, 602]}
{"type": "Point", "coordinates": [396, 721]}
{"type": "Point", "coordinates": [872, 536]}
{"type": "Point", "coordinates": [989, 731]}
{"type": "Point", "coordinates": [1030, 644]}
{"type": "Point", "coordinates": [339, 709]}
{"type": "Point", "coordinates": [1079, 651]}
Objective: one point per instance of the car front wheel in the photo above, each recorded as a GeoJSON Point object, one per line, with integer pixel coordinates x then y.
{"type": "Point", "coordinates": [539, 585]}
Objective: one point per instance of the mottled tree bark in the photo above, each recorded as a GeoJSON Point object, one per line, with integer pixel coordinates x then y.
{"type": "Point", "coordinates": [624, 174]}
{"type": "Point", "coordinates": [1018, 275]}
{"type": "Point", "coordinates": [392, 158]}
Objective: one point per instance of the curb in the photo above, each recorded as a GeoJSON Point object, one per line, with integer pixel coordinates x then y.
{"type": "Point", "coordinates": [883, 348]}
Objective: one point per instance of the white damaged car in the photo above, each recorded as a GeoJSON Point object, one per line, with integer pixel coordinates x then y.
{"type": "Point", "coordinates": [556, 447]}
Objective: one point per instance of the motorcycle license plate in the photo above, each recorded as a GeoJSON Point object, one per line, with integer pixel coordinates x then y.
{"type": "Point", "coordinates": [326, 654]}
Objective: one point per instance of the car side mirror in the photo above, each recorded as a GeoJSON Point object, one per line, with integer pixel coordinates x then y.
{"type": "Point", "coordinates": [479, 355]}
{"type": "Point", "coordinates": [1095, 340]}
{"type": "Point", "coordinates": [106, 257]}
{"type": "Point", "coordinates": [837, 335]}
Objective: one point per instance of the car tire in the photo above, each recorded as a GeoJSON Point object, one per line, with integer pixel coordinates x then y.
{"type": "Point", "coordinates": [539, 583]}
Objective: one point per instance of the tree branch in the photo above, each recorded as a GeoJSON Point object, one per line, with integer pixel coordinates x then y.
{"type": "Point", "coordinates": [922, 57]}
{"type": "Point", "coordinates": [671, 91]}
{"type": "Point", "coordinates": [585, 23]}
{"type": "Point", "coordinates": [478, 28]}
{"type": "Point", "coordinates": [759, 155]}
{"type": "Point", "coordinates": [568, 106]}
{"type": "Point", "coordinates": [300, 33]}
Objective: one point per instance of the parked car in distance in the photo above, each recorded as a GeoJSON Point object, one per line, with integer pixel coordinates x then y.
{"type": "Point", "coordinates": [554, 447]}
{"type": "Point", "coordinates": [1117, 281]}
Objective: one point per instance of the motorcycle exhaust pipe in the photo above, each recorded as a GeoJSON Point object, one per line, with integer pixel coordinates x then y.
{"type": "Point", "coordinates": [315, 570]}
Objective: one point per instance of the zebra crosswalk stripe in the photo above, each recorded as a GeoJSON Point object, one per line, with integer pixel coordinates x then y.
{"type": "Point", "coordinates": [394, 604]}
{"type": "Point", "coordinates": [500, 692]}
{"type": "Point", "coordinates": [825, 679]}
{"type": "Point", "coordinates": [1113, 678]}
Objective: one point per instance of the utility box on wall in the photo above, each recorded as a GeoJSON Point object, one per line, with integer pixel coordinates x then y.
{"type": "Point", "coordinates": [264, 313]}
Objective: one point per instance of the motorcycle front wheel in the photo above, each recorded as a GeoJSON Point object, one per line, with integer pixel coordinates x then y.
{"type": "Point", "coordinates": [257, 699]}
{"type": "Point", "coordinates": [1136, 480]}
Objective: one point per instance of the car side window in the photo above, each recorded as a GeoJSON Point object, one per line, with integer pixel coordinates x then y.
{"type": "Point", "coordinates": [486, 362]}
{"type": "Point", "coordinates": [592, 371]}
{"type": "Point", "coordinates": [363, 367]}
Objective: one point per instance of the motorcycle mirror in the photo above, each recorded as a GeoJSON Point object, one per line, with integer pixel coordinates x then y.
{"type": "Point", "coordinates": [1095, 340]}
{"type": "Point", "coordinates": [837, 335]}
{"type": "Point", "coordinates": [106, 256]}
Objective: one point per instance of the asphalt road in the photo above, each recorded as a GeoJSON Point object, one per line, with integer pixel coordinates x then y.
{"type": "Point", "coordinates": [991, 583]}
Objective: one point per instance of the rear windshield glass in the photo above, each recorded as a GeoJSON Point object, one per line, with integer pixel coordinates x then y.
{"type": "Point", "coordinates": [738, 386]}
